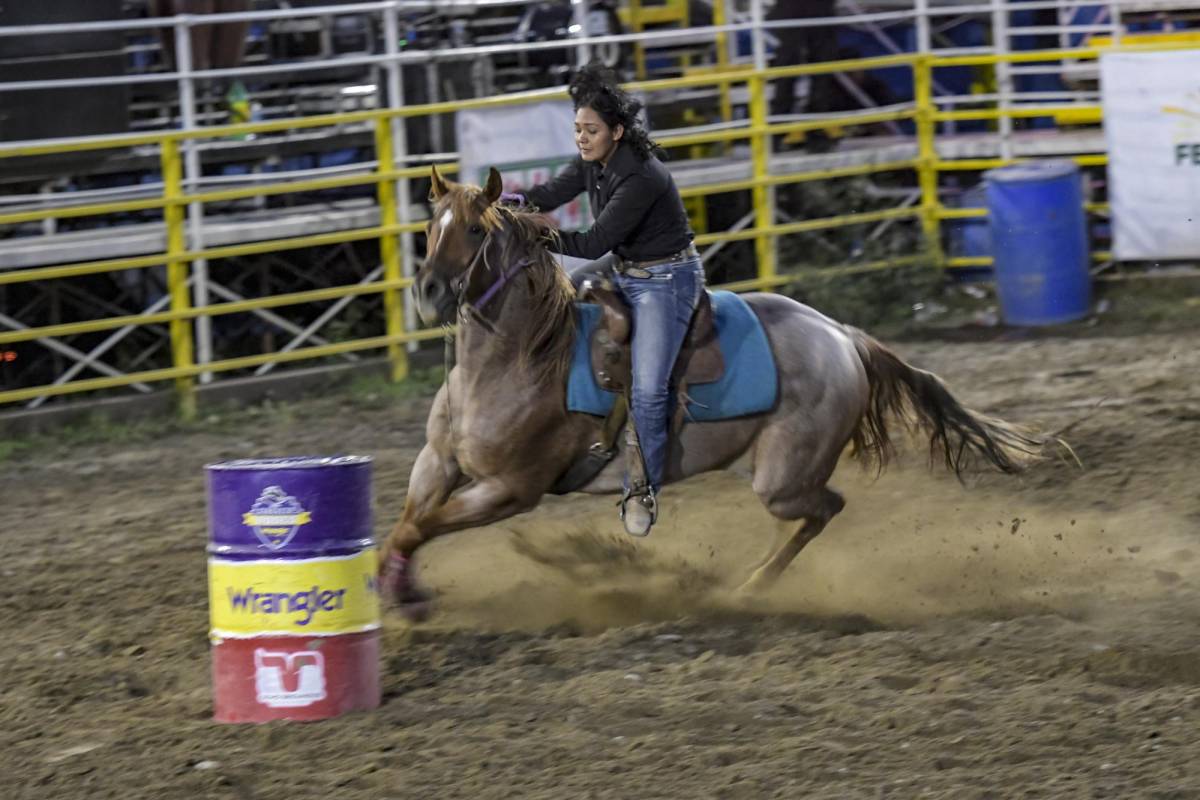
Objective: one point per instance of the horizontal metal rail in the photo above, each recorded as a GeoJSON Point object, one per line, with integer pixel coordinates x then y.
{"type": "Point", "coordinates": [962, 262]}
{"type": "Point", "coordinates": [776, 281]}
{"type": "Point", "coordinates": [798, 177]}
{"type": "Point", "coordinates": [256, 248]}
{"type": "Point", "coordinates": [290, 187]}
{"type": "Point", "coordinates": [215, 310]}
{"type": "Point", "coordinates": [401, 58]}
{"type": "Point", "coordinates": [978, 213]}
{"type": "Point", "coordinates": [1016, 112]}
{"type": "Point", "coordinates": [973, 164]}
{"type": "Point", "coordinates": [244, 362]}
{"type": "Point", "coordinates": [808, 225]}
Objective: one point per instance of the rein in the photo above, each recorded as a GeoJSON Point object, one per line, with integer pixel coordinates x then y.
{"type": "Point", "coordinates": [500, 283]}
{"type": "Point", "coordinates": [476, 314]}
{"type": "Point", "coordinates": [476, 309]}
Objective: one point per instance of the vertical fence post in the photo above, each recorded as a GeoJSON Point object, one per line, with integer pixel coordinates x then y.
{"type": "Point", "coordinates": [639, 49]}
{"type": "Point", "coordinates": [395, 95]}
{"type": "Point", "coordinates": [177, 274]}
{"type": "Point", "coordinates": [1004, 82]}
{"type": "Point", "coordinates": [766, 245]}
{"type": "Point", "coordinates": [760, 148]}
{"type": "Point", "coordinates": [579, 18]}
{"type": "Point", "coordinates": [389, 252]}
{"type": "Point", "coordinates": [927, 155]}
{"type": "Point", "coordinates": [192, 172]}
{"type": "Point", "coordinates": [720, 19]}
{"type": "Point", "coordinates": [760, 141]}
{"type": "Point", "coordinates": [924, 33]}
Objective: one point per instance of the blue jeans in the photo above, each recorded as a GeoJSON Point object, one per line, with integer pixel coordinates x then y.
{"type": "Point", "coordinates": [662, 311]}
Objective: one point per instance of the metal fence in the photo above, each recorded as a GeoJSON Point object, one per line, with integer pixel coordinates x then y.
{"type": "Point", "coordinates": [181, 203]}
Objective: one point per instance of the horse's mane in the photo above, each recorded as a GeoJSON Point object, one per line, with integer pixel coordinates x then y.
{"type": "Point", "coordinates": [547, 342]}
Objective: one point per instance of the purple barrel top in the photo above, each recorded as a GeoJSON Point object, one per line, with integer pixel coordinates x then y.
{"type": "Point", "coordinates": [289, 508]}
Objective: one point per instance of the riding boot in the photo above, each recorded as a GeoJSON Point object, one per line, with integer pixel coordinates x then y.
{"type": "Point", "coordinates": [639, 508]}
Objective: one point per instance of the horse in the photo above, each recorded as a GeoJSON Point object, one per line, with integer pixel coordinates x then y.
{"type": "Point", "coordinates": [499, 434]}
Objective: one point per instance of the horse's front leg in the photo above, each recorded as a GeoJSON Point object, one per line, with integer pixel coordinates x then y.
{"type": "Point", "coordinates": [434, 476]}
{"type": "Point", "coordinates": [431, 512]}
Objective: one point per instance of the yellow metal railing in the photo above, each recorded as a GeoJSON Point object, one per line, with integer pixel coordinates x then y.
{"type": "Point", "coordinates": [177, 277]}
{"type": "Point", "coordinates": [757, 131]}
{"type": "Point", "coordinates": [389, 252]}
{"type": "Point", "coordinates": [931, 165]}
{"type": "Point", "coordinates": [177, 258]}
{"type": "Point", "coordinates": [638, 15]}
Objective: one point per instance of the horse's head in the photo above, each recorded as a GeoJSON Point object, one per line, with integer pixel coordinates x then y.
{"type": "Point", "coordinates": [462, 228]}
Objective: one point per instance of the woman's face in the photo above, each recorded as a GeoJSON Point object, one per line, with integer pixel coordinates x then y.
{"type": "Point", "coordinates": [595, 140]}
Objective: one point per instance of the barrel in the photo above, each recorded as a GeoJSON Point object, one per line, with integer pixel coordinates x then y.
{"type": "Point", "coordinates": [1039, 242]}
{"type": "Point", "coordinates": [293, 599]}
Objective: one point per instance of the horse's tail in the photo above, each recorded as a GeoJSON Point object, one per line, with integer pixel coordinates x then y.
{"type": "Point", "coordinates": [955, 431]}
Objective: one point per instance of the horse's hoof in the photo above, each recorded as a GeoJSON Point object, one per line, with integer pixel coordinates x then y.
{"type": "Point", "coordinates": [416, 610]}
{"type": "Point", "coordinates": [753, 588]}
{"type": "Point", "coordinates": [394, 580]}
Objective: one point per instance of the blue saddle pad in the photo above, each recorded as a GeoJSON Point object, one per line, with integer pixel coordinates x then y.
{"type": "Point", "coordinates": [749, 385]}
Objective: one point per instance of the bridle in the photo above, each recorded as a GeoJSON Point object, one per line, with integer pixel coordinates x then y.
{"type": "Point", "coordinates": [473, 311]}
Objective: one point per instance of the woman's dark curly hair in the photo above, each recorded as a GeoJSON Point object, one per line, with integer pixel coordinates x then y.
{"type": "Point", "coordinates": [596, 87]}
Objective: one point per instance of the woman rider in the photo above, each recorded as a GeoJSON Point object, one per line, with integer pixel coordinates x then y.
{"type": "Point", "coordinates": [640, 220]}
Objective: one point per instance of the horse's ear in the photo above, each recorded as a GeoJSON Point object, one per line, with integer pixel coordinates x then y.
{"type": "Point", "coordinates": [439, 184]}
{"type": "Point", "coordinates": [495, 186]}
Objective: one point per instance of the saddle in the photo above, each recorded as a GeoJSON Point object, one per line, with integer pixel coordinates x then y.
{"type": "Point", "coordinates": [699, 358]}
{"type": "Point", "coordinates": [699, 361]}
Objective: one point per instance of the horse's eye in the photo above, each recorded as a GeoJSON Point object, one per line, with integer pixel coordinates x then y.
{"type": "Point", "coordinates": [476, 230]}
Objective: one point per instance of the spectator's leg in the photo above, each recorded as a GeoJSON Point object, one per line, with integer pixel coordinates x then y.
{"type": "Point", "coordinates": [229, 41]}
{"type": "Point", "coordinates": [783, 100]}
{"type": "Point", "coordinates": [821, 45]}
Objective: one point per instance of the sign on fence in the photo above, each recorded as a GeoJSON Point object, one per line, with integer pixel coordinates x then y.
{"type": "Point", "coordinates": [529, 144]}
{"type": "Point", "coordinates": [1152, 124]}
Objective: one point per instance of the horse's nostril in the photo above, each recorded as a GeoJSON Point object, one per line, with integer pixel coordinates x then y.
{"type": "Point", "coordinates": [433, 290]}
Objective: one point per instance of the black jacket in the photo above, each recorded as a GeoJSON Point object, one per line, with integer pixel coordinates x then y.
{"type": "Point", "coordinates": [639, 214]}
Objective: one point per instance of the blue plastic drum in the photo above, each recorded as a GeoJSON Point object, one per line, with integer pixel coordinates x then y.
{"type": "Point", "coordinates": [1039, 242]}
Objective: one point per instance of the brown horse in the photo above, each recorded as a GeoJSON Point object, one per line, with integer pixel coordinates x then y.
{"type": "Point", "coordinates": [500, 435]}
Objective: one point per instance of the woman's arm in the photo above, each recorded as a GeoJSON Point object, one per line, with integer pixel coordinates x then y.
{"type": "Point", "coordinates": [562, 188]}
{"type": "Point", "coordinates": [624, 211]}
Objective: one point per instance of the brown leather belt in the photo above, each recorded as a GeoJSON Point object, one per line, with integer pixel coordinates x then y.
{"type": "Point", "coordinates": [633, 268]}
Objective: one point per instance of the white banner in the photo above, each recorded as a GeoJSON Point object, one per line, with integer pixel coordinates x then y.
{"type": "Point", "coordinates": [529, 144]}
{"type": "Point", "coordinates": [1152, 126]}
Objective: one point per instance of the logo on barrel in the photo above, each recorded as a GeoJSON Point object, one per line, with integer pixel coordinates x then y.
{"type": "Point", "coordinates": [275, 517]}
{"type": "Point", "coordinates": [316, 596]}
{"type": "Point", "coordinates": [289, 680]}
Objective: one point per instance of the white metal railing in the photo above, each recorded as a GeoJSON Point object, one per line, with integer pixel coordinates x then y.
{"type": "Point", "coordinates": [184, 21]}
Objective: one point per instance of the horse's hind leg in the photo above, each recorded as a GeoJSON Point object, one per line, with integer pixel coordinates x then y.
{"type": "Point", "coordinates": [789, 477]}
{"type": "Point", "coordinates": [824, 503]}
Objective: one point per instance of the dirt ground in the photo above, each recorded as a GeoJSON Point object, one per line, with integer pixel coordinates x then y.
{"type": "Point", "coordinates": [1014, 637]}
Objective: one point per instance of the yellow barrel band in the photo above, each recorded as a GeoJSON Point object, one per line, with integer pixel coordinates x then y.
{"type": "Point", "coordinates": [304, 597]}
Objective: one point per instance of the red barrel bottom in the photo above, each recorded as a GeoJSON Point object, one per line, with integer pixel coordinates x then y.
{"type": "Point", "coordinates": [265, 678]}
